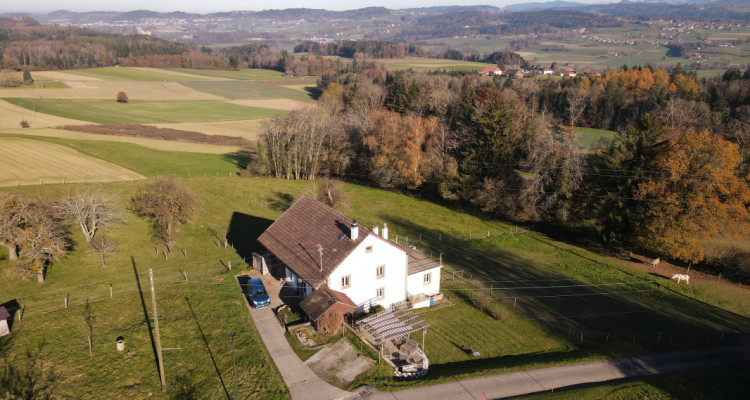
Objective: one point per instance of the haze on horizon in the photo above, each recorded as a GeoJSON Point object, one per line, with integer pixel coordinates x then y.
{"type": "Point", "coordinates": [201, 6]}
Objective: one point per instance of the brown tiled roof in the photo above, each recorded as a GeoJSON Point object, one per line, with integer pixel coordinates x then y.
{"type": "Point", "coordinates": [295, 236]}
{"type": "Point", "coordinates": [4, 314]}
{"type": "Point", "coordinates": [323, 298]}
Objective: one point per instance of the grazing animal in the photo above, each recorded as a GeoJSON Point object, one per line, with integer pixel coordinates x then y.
{"type": "Point", "coordinates": [681, 277]}
{"type": "Point", "coordinates": [655, 262]}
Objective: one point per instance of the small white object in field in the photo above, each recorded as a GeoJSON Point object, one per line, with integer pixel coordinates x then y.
{"type": "Point", "coordinates": [681, 277]}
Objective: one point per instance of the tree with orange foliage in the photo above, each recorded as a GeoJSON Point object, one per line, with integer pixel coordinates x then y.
{"type": "Point", "coordinates": [698, 196]}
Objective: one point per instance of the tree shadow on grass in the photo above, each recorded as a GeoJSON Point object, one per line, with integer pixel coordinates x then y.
{"type": "Point", "coordinates": [27, 377]}
{"type": "Point", "coordinates": [280, 201]}
{"type": "Point", "coordinates": [243, 233]}
{"type": "Point", "coordinates": [210, 353]}
{"type": "Point", "coordinates": [622, 304]}
{"type": "Point", "coordinates": [240, 158]}
{"type": "Point", "coordinates": [145, 315]}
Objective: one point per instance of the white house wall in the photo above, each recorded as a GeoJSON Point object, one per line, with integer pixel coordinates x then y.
{"type": "Point", "coordinates": [415, 283]}
{"type": "Point", "coordinates": [361, 267]}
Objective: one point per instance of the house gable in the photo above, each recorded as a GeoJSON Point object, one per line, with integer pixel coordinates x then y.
{"type": "Point", "coordinates": [361, 268]}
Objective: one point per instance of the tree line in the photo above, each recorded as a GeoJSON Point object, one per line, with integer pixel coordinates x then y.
{"type": "Point", "coordinates": [366, 48]}
{"type": "Point", "coordinates": [674, 175]}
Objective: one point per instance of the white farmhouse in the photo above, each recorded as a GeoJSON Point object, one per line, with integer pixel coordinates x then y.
{"type": "Point", "coordinates": [318, 247]}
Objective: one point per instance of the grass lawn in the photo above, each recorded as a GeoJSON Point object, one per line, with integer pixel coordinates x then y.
{"type": "Point", "coordinates": [592, 138]}
{"type": "Point", "coordinates": [246, 90]}
{"type": "Point", "coordinates": [243, 74]}
{"type": "Point", "coordinates": [559, 289]}
{"type": "Point", "coordinates": [144, 112]}
{"type": "Point", "coordinates": [130, 74]}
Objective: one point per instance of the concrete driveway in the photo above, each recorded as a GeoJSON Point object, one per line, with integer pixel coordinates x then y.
{"type": "Point", "coordinates": [301, 381]}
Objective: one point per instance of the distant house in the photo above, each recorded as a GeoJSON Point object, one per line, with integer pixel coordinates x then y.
{"type": "Point", "coordinates": [325, 254]}
{"type": "Point", "coordinates": [514, 73]}
{"type": "Point", "coordinates": [491, 70]}
{"type": "Point", "coordinates": [4, 316]}
{"type": "Point", "coordinates": [695, 56]}
{"type": "Point", "coordinates": [568, 72]}
{"type": "Point", "coordinates": [547, 71]}
{"type": "Point", "coordinates": [591, 72]}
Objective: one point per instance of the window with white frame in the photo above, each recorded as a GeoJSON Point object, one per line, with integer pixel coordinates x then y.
{"type": "Point", "coordinates": [379, 293]}
{"type": "Point", "coordinates": [346, 281]}
{"type": "Point", "coordinates": [380, 271]}
{"type": "Point", "coordinates": [427, 278]}
{"type": "Point", "coordinates": [368, 249]}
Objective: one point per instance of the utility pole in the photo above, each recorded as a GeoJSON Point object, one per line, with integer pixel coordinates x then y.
{"type": "Point", "coordinates": [234, 360]}
{"type": "Point", "coordinates": [156, 327]}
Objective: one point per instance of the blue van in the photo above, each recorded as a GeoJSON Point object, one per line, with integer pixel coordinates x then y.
{"type": "Point", "coordinates": [258, 294]}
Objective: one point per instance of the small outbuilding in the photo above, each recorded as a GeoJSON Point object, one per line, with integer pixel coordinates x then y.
{"type": "Point", "coordinates": [323, 300]}
{"type": "Point", "coordinates": [4, 316]}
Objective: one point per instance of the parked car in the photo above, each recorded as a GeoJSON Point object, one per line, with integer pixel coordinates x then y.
{"type": "Point", "coordinates": [258, 294]}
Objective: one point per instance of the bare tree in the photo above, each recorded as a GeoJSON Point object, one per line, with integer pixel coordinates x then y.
{"type": "Point", "coordinates": [577, 98]}
{"type": "Point", "coordinates": [41, 240]}
{"type": "Point", "coordinates": [91, 209]}
{"type": "Point", "coordinates": [103, 245]}
{"type": "Point", "coordinates": [168, 203]}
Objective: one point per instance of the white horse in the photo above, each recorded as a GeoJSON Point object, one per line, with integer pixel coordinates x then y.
{"type": "Point", "coordinates": [681, 277]}
{"type": "Point", "coordinates": [655, 262]}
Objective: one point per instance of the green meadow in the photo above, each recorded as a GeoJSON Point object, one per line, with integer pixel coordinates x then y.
{"type": "Point", "coordinates": [144, 112]}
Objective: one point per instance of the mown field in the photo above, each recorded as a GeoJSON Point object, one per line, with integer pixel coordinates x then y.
{"type": "Point", "coordinates": [27, 162]}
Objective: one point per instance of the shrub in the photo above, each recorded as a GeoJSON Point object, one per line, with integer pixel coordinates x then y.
{"type": "Point", "coordinates": [122, 97]}
{"type": "Point", "coordinates": [497, 312]}
{"type": "Point", "coordinates": [25, 124]}
{"type": "Point", "coordinates": [27, 79]}
{"type": "Point", "coordinates": [480, 302]}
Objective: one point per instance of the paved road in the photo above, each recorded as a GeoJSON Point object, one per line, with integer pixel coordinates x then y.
{"type": "Point", "coordinates": [538, 380]}
{"type": "Point", "coordinates": [301, 381]}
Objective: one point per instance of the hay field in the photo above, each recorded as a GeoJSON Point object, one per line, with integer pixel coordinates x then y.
{"type": "Point", "coordinates": [156, 144]}
{"type": "Point", "coordinates": [11, 116]}
{"type": "Point", "coordinates": [243, 74]}
{"type": "Point", "coordinates": [27, 162]}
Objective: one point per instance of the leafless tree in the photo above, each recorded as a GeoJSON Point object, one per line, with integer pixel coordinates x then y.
{"type": "Point", "coordinates": [42, 240]}
{"type": "Point", "coordinates": [103, 245]}
{"type": "Point", "coordinates": [88, 332]}
{"type": "Point", "coordinates": [168, 203]}
{"type": "Point", "coordinates": [331, 322]}
{"type": "Point", "coordinates": [577, 98]}
{"type": "Point", "coordinates": [92, 209]}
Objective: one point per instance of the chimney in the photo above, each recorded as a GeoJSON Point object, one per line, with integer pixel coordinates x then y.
{"type": "Point", "coordinates": [385, 231]}
{"type": "Point", "coordinates": [354, 230]}
{"type": "Point", "coordinates": [375, 230]}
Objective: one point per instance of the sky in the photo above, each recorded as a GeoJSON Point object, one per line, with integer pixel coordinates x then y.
{"type": "Point", "coordinates": [207, 6]}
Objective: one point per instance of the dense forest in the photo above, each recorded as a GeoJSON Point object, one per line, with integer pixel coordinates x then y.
{"type": "Point", "coordinates": [674, 176]}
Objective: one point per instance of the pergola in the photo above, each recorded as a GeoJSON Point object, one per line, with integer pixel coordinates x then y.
{"type": "Point", "coordinates": [391, 324]}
